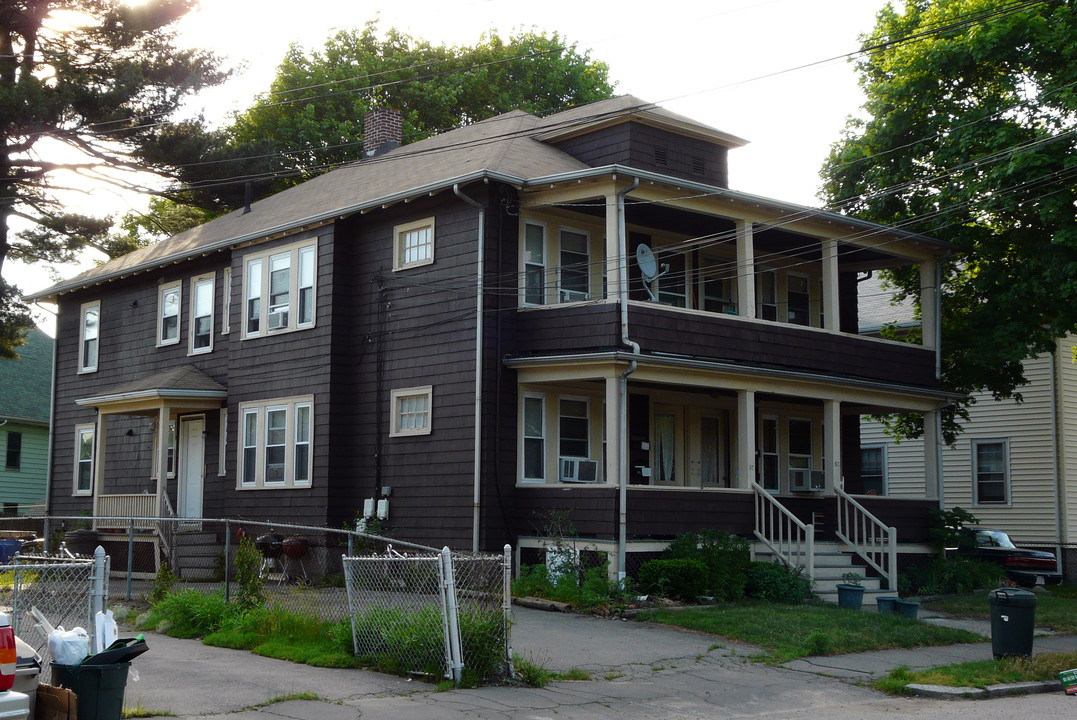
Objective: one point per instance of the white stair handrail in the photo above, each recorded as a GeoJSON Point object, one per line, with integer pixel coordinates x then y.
{"type": "Point", "coordinates": [870, 538]}
{"type": "Point", "coordinates": [791, 540]}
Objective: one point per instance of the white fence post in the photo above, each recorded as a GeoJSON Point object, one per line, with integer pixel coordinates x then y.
{"type": "Point", "coordinates": [456, 660]}
{"type": "Point", "coordinates": [507, 609]}
{"type": "Point", "coordinates": [98, 601]}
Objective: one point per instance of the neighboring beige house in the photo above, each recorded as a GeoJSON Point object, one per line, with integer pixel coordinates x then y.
{"type": "Point", "coordinates": [1006, 468]}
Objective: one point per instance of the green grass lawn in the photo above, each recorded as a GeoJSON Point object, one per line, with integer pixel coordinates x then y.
{"type": "Point", "coordinates": [1055, 609]}
{"type": "Point", "coordinates": [788, 632]}
{"type": "Point", "coordinates": [982, 673]}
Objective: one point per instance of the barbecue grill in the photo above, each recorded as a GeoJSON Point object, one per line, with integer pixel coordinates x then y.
{"type": "Point", "coordinates": [295, 548]}
{"type": "Point", "coordinates": [271, 546]}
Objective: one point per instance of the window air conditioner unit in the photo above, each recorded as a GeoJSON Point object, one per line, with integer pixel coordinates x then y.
{"type": "Point", "coordinates": [574, 295]}
{"type": "Point", "coordinates": [578, 470]}
{"type": "Point", "coordinates": [278, 320]}
{"type": "Point", "coordinates": [804, 480]}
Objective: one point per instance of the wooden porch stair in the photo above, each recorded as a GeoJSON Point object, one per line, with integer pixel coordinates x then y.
{"type": "Point", "coordinates": [195, 555]}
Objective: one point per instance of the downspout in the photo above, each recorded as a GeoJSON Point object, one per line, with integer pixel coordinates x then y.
{"type": "Point", "coordinates": [476, 499]}
{"type": "Point", "coordinates": [622, 389]}
{"type": "Point", "coordinates": [52, 435]}
{"type": "Point", "coordinates": [1056, 387]}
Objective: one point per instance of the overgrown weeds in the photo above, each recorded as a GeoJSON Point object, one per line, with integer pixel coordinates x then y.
{"type": "Point", "coordinates": [982, 673]}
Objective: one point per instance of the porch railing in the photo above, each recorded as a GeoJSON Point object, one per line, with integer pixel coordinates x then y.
{"type": "Point", "coordinates": [791, 540]}
{"type": "Point", "coordinates": [868, 536]}
{"type": "Point", "coordinates": [112, 511]}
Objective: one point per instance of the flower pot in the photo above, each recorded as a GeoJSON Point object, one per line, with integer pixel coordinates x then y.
{"type": "Point", "coordinates": [850, 597]}
{"type": "Point", "coordinates": [906, 608]}
{"type": "Point", "coordinates": [886, 603]}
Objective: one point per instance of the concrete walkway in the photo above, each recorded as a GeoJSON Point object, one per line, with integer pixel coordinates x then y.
{"type": "Point", "coordinates": [638, 671]}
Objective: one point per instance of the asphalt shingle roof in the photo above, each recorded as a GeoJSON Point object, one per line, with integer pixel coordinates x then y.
{"type": "Point", "coordinates": [181, 379]}
{"type": "Point", "coordinates": [26, 383]}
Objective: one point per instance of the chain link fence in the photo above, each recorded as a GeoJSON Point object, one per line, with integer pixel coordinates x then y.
{"type": "Point", "coordinates": [61, 589]}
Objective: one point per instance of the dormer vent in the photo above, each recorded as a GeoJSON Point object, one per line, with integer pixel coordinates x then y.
{"type": "Point", "coordinates": [660, 156]}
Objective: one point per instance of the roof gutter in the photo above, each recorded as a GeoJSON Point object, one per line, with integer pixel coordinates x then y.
{"type": "Point", "coordinates": [147, 394]}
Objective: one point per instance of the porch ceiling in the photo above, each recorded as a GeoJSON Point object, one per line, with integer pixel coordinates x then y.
{"type": "Point", "coordinates": [186, 387]}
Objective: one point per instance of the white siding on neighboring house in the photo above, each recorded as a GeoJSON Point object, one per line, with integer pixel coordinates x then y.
{"type": "Point", "coordinates": [1026, 428]}
{"type": "Point", "coordinates": [1067, 407]}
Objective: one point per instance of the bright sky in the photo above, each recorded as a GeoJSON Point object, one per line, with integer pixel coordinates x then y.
{"type": "Point", "coordinates": [705, 60]}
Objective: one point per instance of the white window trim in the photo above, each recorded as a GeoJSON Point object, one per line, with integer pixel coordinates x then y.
{"type": "Point", "coordinates": [226, 301]}
{"type": "Point", "coordinates": [394, 399]}
{"type": "Point", "coordinates": [260, 408]}
{"type": "Point", "coordinates": [222, 443]}
{"type": "Point", "coordinates": [398, 243]}
{"type": "Point", "coordinates": [177, 285]}
{"type": "Point", "coordinates": [524, 264]}
{"type": "Point", "coordinates": [293, 289]}
{"type": "Point", "coordinates": [80, 430]}
{"type": "Point", "coordinates": [560, 266]}
{"type": "Point", "coordinates": [885, 465]}
{"type": "Point", "coordinates": [86, 307]}
{"type": "Point", "coordinates": [523, 437]}
{"type": "Point", "coordinates": [211, 278]}
{"type": "Point", "coordinates": [973, 445]}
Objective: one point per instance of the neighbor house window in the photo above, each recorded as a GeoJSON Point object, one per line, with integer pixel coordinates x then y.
{"type": "Point", "coordinates": [718, 291]}
{"type": "Point", "coordinates": [201, 315]}
{"type": "Point", "coordinates": [13, 456]}
{"type": "Point", "coordinates": [168, 315]}
{"type": "Point", "coordinates": [672, 284]}
{"type": "Point", "coordinates": [766, 290]}
{"type": "Point", "coordinates": [275, 447]}
{"type": "Point", "coordinates": [280, 290]}
{"type": "Point", "coordinates": [873, 469]}
{"type": "Point", "coordinates": [226, 301]}
{"type": "Point", "coordinates": [572, 435]}
{"type": "Point", "coordinates": [534, 449]}
{"type": "Point", "coordinates": [89, 331]}
{"type": "Point", "coordinates": [575, 266]}
{"type": "Point", "coordinates": [799, 300]}
{"type": "Point", "coordinates": [84, 459]}
{"type": "Point", "coordinates": [411, 411]}
{"type": "Point", "coordinates": [413, 244]}
{"type": "Point", "coordinates": [991, 470]}
{"type": "Point", "coordinates": [534, 264]}
{"type": "Point", "coordinates": [768, 451]}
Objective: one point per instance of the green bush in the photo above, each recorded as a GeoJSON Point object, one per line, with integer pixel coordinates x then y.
{"type": "Point", "coordinates": [194, 614]}
{"type": "Point", "coordinates": [674, 577]}
{"type": "Point", "coordinates": [250, 583]}
{"type": "Point", "coordinates": [776, 582]}
{"type": "Point", "coordinates": [944, 575]}
{"type": "Point", "coordinates": [725, 556]}
{"type": "Point", "coordinates": [533, 581]}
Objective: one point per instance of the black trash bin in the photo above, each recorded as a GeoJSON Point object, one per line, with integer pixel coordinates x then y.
{"type": "Point", "coordinates": [1013, 621]}
{"type": "Point", "coordinates": [99, 688]}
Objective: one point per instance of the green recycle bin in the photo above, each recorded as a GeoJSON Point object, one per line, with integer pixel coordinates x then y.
{"type": "Point", "coordinates": [99, 688]}
{"type": "Point", "coordinates": [1013, 620]}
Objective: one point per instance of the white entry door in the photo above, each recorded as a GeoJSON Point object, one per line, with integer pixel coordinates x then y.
{"type": "Point", "coordinates": [192, 453]}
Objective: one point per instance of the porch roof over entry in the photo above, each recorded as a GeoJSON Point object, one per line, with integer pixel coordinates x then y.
{"type": "Point", "coordinates": [184, 386]}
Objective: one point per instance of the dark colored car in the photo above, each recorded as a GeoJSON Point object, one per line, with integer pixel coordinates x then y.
{"type": "Point", "coordinates": [1025, 567]}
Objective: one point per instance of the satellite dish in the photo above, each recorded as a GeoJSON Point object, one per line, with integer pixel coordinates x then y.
{"type": "Point", "coordinates": [647, 264]}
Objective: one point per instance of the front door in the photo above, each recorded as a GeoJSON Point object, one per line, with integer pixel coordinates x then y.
{"type": "Point", "coordinates": [192, 452]}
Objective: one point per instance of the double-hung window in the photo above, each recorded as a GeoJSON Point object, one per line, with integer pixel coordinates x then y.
{"type": "Point", "coordinates": [575, 266]}
{"type": "Point", "coordinates": [89, 334]}
{"type": "Point", "coordinates": [798, 308]}
{"type": "Point", "coordinates": [413, 244]}
{"type": "Point", "coordinates": [411, 411]}
{"type": "Point", "coordinates": [168, 313]}
{"type": "Point", "coordinates": [766, 291]}
{"type": "Point", "coordinates": [671, 286]}
{"type": "Point", "coordinates": [991, 469]}
{"type": "Point", "coordinates": [534, 264]}
{"type": "Point", "coordinates": [13, 452]}
{"type": "Point", "coordinates": [226, 301]}
{"type": "Point", "coordinates": [201, 315]}
{"type": "Point", "coordinates": [84, 459]}
{"type": "Point", "coordinates": [873, 469]}
{"type": "Point", "coordinates": [276, 443]}
{"type": "Point", "coordinates": [534, 448]}
{"type": "Point", "coordinates": [280, 290]}
{"type": "Point", "coordinates": [572, 428]}
{"type": "Point", "coordinates": [769, 455]}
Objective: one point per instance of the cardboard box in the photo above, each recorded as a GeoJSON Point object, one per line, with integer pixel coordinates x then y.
{"type": "Point", "coordinates": [55, 703]}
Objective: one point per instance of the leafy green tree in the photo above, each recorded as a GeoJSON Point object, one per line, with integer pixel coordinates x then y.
{"type": "Point", "coordinates": [86, 88]}
{"type": "Point", "coordinates": [970, 137]}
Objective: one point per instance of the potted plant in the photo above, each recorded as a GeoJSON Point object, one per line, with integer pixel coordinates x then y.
{"type": "Point", "coordinates": [850, 591]}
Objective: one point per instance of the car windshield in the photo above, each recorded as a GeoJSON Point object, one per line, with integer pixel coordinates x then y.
{"type": "Point", "coordinates": [993, 538]}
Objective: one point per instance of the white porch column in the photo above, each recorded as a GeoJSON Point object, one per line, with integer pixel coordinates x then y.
{"type": "Point", "coordinates": [831, 310]}
{"type": "Point", "coordinates": [932, 481]}
{"type": "Point", "coordinates": [929, 298]}
{"type": "Point", "coordinates": [616, 254]}
{"type": "Point", "coordinates": [612, 422]}
{"type": "Point", "coordinates": [100, 443]}
{"type": "Point", "coordinates": [745, 274]}
{"type": "Point", "coordinates": [162, 456]}
{"type": "Point", "coordinates": [832, 446]}
{"type": "Point", "coordinates": [745, 437]}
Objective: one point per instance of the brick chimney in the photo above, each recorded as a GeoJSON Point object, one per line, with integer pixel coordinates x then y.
{"type": "Point", "coordinates": [382, 131]}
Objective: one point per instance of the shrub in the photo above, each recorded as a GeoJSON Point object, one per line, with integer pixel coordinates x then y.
{"type": "Point", "coordinates": [776, 582]}
{"type": "Point", "coordinates": [533, 581]}
{"type": "Point", "coordinates": [674, 577]}
{"type": "Point", "coordinates": [163, 583]}
{"type": "Point", "coordinates": [725, 556]}
{"type": "Point", "coordinates": [943, 575]}
{"type": "Point", "coordinates": [193, 614]}
{"type": "Point", "coordinates": [249, 580]}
